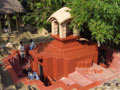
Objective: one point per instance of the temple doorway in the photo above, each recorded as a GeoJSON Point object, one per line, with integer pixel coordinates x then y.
{"type": "Point", "coordinates": [41, 71]}
{"type": "Point", "coordinates": [43, 78]}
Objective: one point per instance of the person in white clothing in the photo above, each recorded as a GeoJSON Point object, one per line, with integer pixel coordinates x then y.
{"type": "Point", "coordinates": [32, 44]}
{"type": "Point", "coordinates": [22, 50]}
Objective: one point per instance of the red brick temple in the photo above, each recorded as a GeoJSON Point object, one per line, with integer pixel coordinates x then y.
{"type": "Point", "coordinates": [61, 56]}
{"type": "Point", "coordinates": [66, 62]}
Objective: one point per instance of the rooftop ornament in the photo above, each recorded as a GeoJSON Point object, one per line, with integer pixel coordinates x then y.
{"type": "Point", "coordinates": [60, 21]}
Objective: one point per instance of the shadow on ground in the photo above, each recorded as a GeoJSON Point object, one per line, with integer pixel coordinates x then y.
{"type": "Point", "coordinates": [5, 78]}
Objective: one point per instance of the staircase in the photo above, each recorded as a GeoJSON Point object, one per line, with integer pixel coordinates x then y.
{"type": "Point", "coordinates": [79, 79]}
{"type": "Point", "coordinates": [87, 76]}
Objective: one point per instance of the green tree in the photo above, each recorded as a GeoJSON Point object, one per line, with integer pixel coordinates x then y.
{"type": "Point", "coordinates": [100, 17]}
{"type": "Point", "coordinates": [38, 11]}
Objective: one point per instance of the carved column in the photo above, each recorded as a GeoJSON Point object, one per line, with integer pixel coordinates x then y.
{"type": "Point", "coordinates": [62, 31]}
{"type": "Point", "coordinates": [54, 28]}
{"type": "Point", "coordinates": [9, 24]}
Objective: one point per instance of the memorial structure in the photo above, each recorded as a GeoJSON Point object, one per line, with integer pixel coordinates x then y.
{"type": "Point", "coordinates": [64, 63]}
{"type": "Point", "coordinates": [61, 56]}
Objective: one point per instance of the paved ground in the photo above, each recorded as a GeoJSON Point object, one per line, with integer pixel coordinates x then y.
{"type": "Point", "coordinates": [113, 84]}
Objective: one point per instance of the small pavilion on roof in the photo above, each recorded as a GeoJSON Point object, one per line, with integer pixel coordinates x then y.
{"type": "Point", "coordinates": [60, 21]}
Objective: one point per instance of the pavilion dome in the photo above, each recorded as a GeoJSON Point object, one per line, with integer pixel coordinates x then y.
{"type": "Point", "coordinates": [61, 15]}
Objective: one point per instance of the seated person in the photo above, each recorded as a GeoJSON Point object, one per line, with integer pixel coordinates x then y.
{"type": "Point", "coordinates": [36, 76]}
{"type": "Point", "coordinates": [32, 44]}
{"type": "Point", "coordinates": [32, 75]}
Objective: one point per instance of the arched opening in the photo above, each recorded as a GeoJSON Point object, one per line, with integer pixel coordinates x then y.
{"type": "Point", "coordinates": [41, 70]}
{"type": "Point", "coordinates": [69, 29]}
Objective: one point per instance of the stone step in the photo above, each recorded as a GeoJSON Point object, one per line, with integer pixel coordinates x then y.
{"type": "Point", "coordinates": [67, 81]}
{"type": "Point", "coordinates": [83, 78]}
{"type": "Point", "coordinates": [79, 79]}
{"type": "Point", "coordinates": [96, 73]}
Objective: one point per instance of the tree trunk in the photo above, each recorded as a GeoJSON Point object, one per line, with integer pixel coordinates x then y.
{"type": "Point", "coordinates": [9, 24]}
{"type": "Point", "coordinates": [0, 27]}
{"type": "Point", "coordinates": [17, 23]}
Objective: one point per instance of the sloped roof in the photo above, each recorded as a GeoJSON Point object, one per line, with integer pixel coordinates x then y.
{"type": "Point", "coordinates": [61, 15]}
{"type": "Point", "coordinates": [10, 6]}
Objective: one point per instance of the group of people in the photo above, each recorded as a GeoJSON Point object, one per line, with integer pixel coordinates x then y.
{"type": "Point", "coordinates": [21, 48]}
{"type": "Point", "coordinates": [31, 74]}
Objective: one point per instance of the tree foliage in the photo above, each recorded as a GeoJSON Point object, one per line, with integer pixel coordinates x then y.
{"type": "Point", "coordinates": [100, 17]}
{"type": "Point", "coordinates": [38, 11]}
